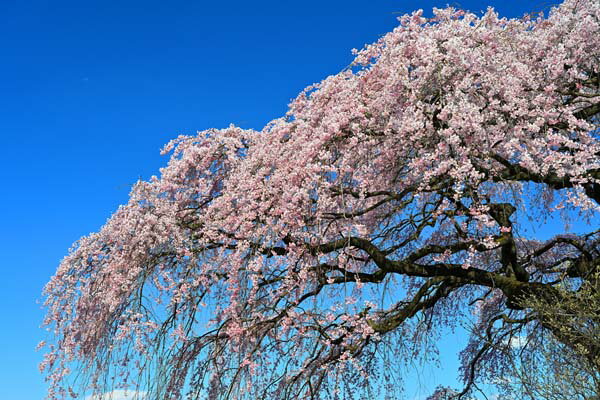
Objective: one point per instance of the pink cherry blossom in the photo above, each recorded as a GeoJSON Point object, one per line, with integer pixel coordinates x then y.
{"type": "Point", "coordinates": [384, 205]}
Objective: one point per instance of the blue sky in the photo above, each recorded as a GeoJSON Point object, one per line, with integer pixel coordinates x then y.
{"type": "Point", "coordinates": [91, 90]}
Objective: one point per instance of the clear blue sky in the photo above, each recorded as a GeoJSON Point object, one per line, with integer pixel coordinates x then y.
{"type": "Point", "coordinates": [91, 90]}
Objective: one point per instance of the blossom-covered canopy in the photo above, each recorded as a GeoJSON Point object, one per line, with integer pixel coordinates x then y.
{"type": "Point", "coordinates": [309, 259]}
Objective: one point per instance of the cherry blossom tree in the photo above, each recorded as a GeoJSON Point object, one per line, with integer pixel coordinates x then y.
{"type": "Point", "coordinates": [315, 257]}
